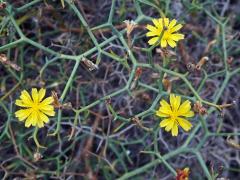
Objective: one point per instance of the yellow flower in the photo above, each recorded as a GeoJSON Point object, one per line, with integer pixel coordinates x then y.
{"type": "Point", "coordinates": [164, 31]}
{"type": "Point", "coordinates": [183, 174]}
{"type": "Point", "coordinates": [172, 113]}
{"type": "Point", "coordinates": [35, 109]}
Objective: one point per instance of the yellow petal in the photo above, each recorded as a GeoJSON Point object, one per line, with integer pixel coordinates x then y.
{"type": "Point", "coordinates": [164, 122]}
{"type": "Point", "coordinates": [166, 22]}
{"type": "Point", "coordinates": [175, 102]}
{"type": "Point", "coordinates": [49, 113]}
{"type": "Point", "coordinates": [40, 124]}
{"type": "Point", "coordinates": [161, 114]}
{"type": "Point", "coordinates": [35, 95]}
{"type": "Point", "coordinates": [152, 41]}
{"type": "Point", "coordinates": [176, 28]}
{"type": "Point", "coordinates": [150, 33]}
{"type": "Point", "coordinates": [46, 107]}
{"type": "Point", "coordinates": [165, 107]}
{"type": "Point", "coordinates": [185, 109]}
{"type": "Point", "coordinates": [157, 23]}
{"type": "Point", "coordinates": [26, 98]}
{"type": "Point", "coordinates": [171, 43]}
{"type": "Point", "coordinates": [164, 112]}
{"type": "Point", "coordinates": [34, 118]}
{"type": "Point", "coordinates": [43, 117]}
{"type": "Point", "coordinates": [41, 94]}
{"type": "Point", "coordinates": [170, 125]}
{"type": "Point", "coordinates": [163, 43]}
{"type": "Point", "coordinates": [46, 101]}
{"type": "Point", "coordinates": [160, 21]}
{"type": "Point", "coordinates": [22, 104]}
{"type": "Point", "coordinates": [175, 129]}
{"type": "Point", "coordinates": [186, 170]}
{"type": "Point", "coordinates": [172, 23]}
{"type": "Point", "coordinates": [151, 28]}
{"type": "Point", "coordinates": [185, 124]}
{"type": "Point", "coordinates": [29, 120]}
{"type": "Point", "coordinates": [177, 36]}
{"type": "Point", "coordinates": [23, 114]}
{"type": "Point", "coordinates": [188, 114]}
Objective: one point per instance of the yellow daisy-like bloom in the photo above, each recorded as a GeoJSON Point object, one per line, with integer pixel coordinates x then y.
{"type": "Point", "coordinates": [36, 108]}
{"type": "Point", "coordinates": [173, 114]}
{"type": "Point", "coordinates": [164, 31]}
{"type": "Point", "coordinates": [183, 174]}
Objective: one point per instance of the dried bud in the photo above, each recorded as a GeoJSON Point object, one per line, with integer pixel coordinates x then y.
{"type": "Point", "coordinates": [191, 67]}
{"type": "Point", "coordinates": [198, 107]}
{"type": "Point", "coordinates": [6, 61]}
{"type": "Point", "coordinates": [138, 72]}
{"type": "Point", "coordinates": [230, 60]}
{"type": "Point", "coordinates": [136, 78]}
{"type": "Point", "coordinates": [130, 25]}
{"type": "Point", "coordinates": [167, 84]}
{"type": "Point", "coordinates": [57, 104]}
{"type": "Point", "coordinates": [37, 156]}
{"type": "Point", "coordinates": [89, 64]}
{"type": "Point", "coordinates": [202, 61]}
{"type": "Point", "coordinates": [3, 58]}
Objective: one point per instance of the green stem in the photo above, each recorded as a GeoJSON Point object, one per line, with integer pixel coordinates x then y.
{"type": "Point", "coordinates": [35, 138]}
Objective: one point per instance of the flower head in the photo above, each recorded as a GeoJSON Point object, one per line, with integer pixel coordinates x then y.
{"type": "Point", "coordinates": [36, 109]}
{"type": "Point", "coordinates": [173, 114]}
{"type": "Point", "coordinates": [183, 174]}
{"type": "Point", "coordinates": [164, 32]}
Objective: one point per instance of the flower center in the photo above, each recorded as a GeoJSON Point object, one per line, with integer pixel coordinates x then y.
{"type": "Point", "coordinates": [35, 107]}
{"type": "Point", "coordinates": [174, 115]}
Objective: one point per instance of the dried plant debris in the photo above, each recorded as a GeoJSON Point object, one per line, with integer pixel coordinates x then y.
{"type": "Point", "coordinates": [4, 60]}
